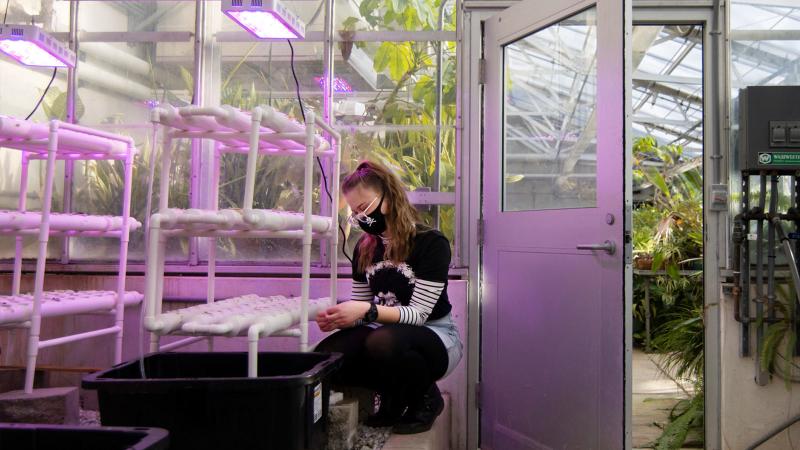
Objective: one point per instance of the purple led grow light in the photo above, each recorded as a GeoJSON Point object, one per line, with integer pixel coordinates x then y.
{"type": "Point", "coordinates": [265, 18]}
{"type": "Point", "coordinates": [339, 84]}
{"type": "Point", "coordinates": [31, 46]}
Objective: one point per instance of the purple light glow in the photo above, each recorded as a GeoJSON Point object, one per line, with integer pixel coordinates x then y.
{"type": "Point", "coordinates": [339, 84]}
{"type": "Point", "coordinates": [29, 53]}
{"type": "Point", "coordinates": [264, 24]}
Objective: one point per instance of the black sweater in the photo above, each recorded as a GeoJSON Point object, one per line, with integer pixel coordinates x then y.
{"type": "Point", "coordinates": [418, 286]}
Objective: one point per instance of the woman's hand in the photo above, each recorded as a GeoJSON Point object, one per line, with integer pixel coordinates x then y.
{"type": "Point", "coordinates": [324, 324]}
{"type": "Point", "coordinates": [343, 315]}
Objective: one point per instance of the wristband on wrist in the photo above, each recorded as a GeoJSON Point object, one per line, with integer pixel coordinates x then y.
{"type": "Point", "coordinates": [371, 315]}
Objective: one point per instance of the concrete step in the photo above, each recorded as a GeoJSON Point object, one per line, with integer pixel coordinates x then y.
{"type": "Point", "coordinates": [48, 405]}
{"type": "Point", "coordinates": [342, 424]}
{"type": "Point", "coordinates": [437, 438]}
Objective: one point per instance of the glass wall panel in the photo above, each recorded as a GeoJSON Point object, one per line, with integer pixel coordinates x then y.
{"type": "Point", "coordinates": [21, 87]}
{"type": "Point", "coordinates": [137, 54]}
{"type": "Point", "coordinates": [395, 15]}
{"type": "Point", "coordinates": [256, 73]}
{"type": "Point", "coordinates": [150, 62]}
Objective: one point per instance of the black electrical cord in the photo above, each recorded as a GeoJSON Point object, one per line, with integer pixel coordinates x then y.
{"type": "Point", "coordinates": [319, 163]}
{"type": "Point", "coordinates": [5, 16]}
{"type": "Point", "coordinates": [55, 69]}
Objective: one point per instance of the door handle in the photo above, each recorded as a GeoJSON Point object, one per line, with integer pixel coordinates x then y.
{"type": "Point", "coordinates": [608, 246]}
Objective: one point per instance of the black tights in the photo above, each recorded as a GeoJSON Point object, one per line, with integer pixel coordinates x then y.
{"type": "Point", "coordinates": [398, 360]}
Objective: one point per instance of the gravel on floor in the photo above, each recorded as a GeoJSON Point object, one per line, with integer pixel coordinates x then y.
{"type": "Point", "coordinates": [368, 438]}
{"type": "Point", "coordinates": [89, 417]}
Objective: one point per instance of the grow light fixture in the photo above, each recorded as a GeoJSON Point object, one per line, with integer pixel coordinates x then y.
{"type": "Point", "coordinates": [265, 18]}
{"type": "Point", "coordinates": [339, 84]}
{"type": "Point", "coordinates": [31, 46]}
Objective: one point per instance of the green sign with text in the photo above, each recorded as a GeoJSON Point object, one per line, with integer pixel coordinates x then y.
{"type": "Point", "coordinates": [779, 159]}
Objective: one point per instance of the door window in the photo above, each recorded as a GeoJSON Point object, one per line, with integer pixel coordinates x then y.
{"type": "Point", "coordinates": [549, 123]}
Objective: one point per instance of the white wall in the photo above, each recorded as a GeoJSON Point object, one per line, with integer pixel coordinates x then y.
{"type": "Point", "coordinates": [750, 411]}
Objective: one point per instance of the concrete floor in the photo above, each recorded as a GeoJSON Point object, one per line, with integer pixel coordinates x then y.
{"type": "Point", "coordinates": [654, 395]}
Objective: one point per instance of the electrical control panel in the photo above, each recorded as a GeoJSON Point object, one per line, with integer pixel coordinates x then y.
{"type": "Point", "coordinates": [769, 129]}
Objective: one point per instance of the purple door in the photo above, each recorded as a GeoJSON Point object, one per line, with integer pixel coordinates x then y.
{"type": "Point", "coordinates": [552, 316]}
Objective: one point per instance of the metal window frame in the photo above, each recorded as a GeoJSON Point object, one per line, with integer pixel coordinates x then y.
{"type": "Point", "coordinates": [715, 149]}
{"type": "Point", "coordinates": [470, 94]}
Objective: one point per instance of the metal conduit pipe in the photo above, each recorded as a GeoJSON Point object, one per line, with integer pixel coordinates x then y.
{"type": "Point", "coordinates": [438, 115]}
{"type": "Point", "coordinates": [762, 376]}
{"type": "Point", "coordinates": [738, 237]}
{"type": "Point", "coordinates": [113, 56]}
{"type": "Point", "coordinates": [741, 268]}
{"type": "Point", "coordinates": [71, 117]}
{"type": "Point", "coordinates": [759, 294]}
{"type": "Point", "coordinates": [793, 210]}
{"type": "Point", "coordinates": [792, 215]}
{"type": "Point", "coordinates": [787, 248]}
{"type": "Point", "coordinates": [119, 84]}
{"type": "Point", "coordinates": [744, 306]}
{"type": "Point", "coordinates": [158, 14]}
{"type": "Point", "coordinates": [773, 209]}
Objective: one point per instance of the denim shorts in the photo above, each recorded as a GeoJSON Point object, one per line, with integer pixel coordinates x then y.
{"type": "Point", "coordinates": [446, 329]}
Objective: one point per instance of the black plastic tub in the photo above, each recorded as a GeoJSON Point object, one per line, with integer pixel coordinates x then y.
{"type": "Point", "coordinates": [23, 436]}
{"type": "Point", "coordinates": [206, 400]}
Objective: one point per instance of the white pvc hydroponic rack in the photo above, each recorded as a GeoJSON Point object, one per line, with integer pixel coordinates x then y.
{"type": "Point", "coordinates": [262, 131]}
{"type": "Point", "coordinates": [54, 141]}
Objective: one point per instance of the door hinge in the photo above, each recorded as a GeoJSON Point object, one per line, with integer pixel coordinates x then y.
{"type": "Point", "coordinates": [482, 71]}
{"type": "Point", "coordinates": [478, 402]}
{"type": "Point", "coordinates": [481, 231]}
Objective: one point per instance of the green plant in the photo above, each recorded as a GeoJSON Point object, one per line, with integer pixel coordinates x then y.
{"type": "Point", "coordinates": [780, 339]}
{"type": "Point", "coordinates": [411, 66]}
{"type": "Point", "coordinates": [54, 105]}
{"type": "Point", "coordinates": [645, 222]}
{"type": "Point", "coordinates": [668, 227]}
{"type": "Point", "coordinates": [680, 341]}
{"type": "Point", "coordinates": [680, 344]}
{"type": "Point", "coordinates": [685, 417]}
{"type": "Point", "coordinates": [672, 223]}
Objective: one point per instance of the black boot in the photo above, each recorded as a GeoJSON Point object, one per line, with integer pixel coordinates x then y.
{"type": "Point", "coordinates": [420, 416]}
{"type": "Point", "coordinates": [388, 413]}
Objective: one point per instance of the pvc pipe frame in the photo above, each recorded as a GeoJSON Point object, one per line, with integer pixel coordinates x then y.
{"type": "Point", "coordinates": [56, 128]}
{"type": "Point", "coordinates": [157, 235]}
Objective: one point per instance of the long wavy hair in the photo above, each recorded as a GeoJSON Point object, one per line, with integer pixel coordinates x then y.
{"type": "Point", "coordinates": [401, 217]}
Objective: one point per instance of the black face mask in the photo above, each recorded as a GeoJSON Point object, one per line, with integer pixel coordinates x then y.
{"type": "Point", "coordinates": [375, 223]}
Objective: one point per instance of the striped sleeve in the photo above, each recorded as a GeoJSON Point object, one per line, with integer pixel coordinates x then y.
{"type": "Point", "coordinates": [361, 291]}
{"type": "Point", "coordinates": [423, 299]}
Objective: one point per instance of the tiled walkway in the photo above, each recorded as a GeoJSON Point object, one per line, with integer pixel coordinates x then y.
{"type": "Point", "coordinates": [654, 395]}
